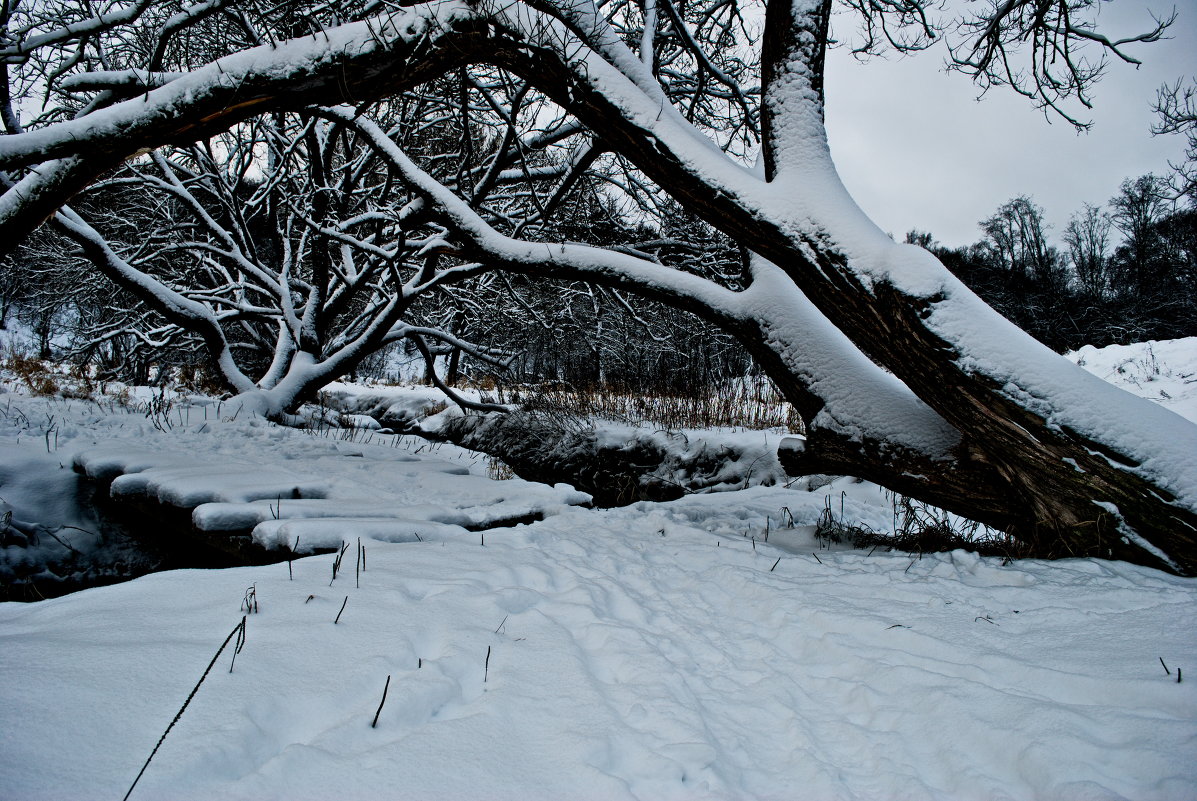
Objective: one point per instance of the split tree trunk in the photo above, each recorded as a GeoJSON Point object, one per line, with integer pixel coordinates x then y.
{"type": "Point", "coordinates": [1061, 492]}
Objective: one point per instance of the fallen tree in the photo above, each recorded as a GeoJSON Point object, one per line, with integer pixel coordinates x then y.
{"type": "Point", "coordinates": [902, 375]}
{"type": "Point", "coordinates": [615, 464]}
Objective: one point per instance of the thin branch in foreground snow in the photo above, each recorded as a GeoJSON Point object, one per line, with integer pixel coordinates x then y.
{"type": "Point", "coordinates": [238, 630]}
{"type": "Point", "coordinates": [387, 686]}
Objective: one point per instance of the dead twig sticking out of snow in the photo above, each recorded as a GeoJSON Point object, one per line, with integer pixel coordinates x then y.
{"type": "Point", "coordinates": [387, 686]}
{"type": "Point", "coordinates": [337, 562]}
{"type": "Point", "coordinates": [290, 556]}
{"type": "Point", "coordinates": [240, 644]}
{"type": "Point", "coordinates": [343, 603]}
{"type": "Point", "coordinates": [249, 604]}
{"type": "Point", "coordinates": [239, 631]}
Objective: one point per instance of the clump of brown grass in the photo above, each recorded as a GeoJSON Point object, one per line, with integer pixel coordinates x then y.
{"type": "Point", "coordinates": [498, 470]}
{"type": "Point", "coordinates": [34, 373]}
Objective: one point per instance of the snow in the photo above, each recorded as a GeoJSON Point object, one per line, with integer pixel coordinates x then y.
{"type": "Point", "coordinates": [1163, 371]}
{"type": "Point", "coordinates": [624, 663]}
{"type": "Point", "coordinates": [705, 648]}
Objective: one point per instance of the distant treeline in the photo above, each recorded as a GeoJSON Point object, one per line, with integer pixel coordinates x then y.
{"type": "Point", "coordinates": [1124, 272]}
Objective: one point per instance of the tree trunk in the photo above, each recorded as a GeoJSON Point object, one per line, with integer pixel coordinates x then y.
{"type": "Point", "coordinates": [1061, 491]}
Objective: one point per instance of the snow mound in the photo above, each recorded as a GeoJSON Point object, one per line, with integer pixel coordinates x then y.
{"type": "Point", "coordinates": [311, 534]}
{"type": "Point", "coordinates": [1163, 371]}
{"type": "Point", "coordinates": [424, 495]}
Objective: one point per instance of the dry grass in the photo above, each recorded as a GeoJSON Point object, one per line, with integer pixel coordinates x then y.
{"type": "Point", "coordinates": [51, 379]}
{"type": "Point", "coordinates": [919, 528]}
{"type": "Point", "coordinates": [751, 405]}
{"type": "Point", "coordinates": [498, 470]}
{"type": "Point", "coordinates": [34, 373]}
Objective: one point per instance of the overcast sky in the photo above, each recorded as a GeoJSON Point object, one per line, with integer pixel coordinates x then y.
{"type": "Point", "coordinates": [918, 151]}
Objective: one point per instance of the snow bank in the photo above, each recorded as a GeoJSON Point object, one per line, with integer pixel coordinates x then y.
{"type": "Point", "coordinates": [1162, 371]}
{"type": "Point", "coordinates": [233, 475]}
{"type": "Point", "coordinates": [311, 534]}
{"type": "Point", "coordinates": [397, 408]}
{"type": "Point", "coordinates": [45, 527]}
{"type": "Point", "coordinates": [378, 483]}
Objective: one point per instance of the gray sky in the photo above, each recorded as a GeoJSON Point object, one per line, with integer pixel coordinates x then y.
{"type": "Point", "coordinates": [917, 150]}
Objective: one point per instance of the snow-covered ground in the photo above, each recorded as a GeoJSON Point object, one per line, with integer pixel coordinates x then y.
{"type": "Point", "coordinates": [657, 651]}
{"type": "Point", "coordinates": [1165, 371]}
